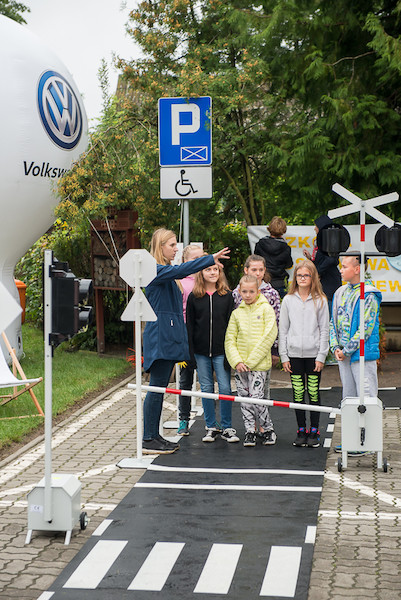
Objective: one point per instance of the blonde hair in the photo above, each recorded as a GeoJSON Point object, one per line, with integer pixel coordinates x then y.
{"type": "Point", "coordinates": [187, 251]}
{"type": "Point", "coordinates": [159, 238]}
{"type": "Point", "coordinates": [199, 286]}
{"type": "Point", "coordinates": [277, 227]}
{"type": "Point", "coordinates": [248, 279]}
{"type": "Point", "coordinates": [316, 290]}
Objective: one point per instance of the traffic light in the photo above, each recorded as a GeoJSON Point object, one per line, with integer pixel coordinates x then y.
{"type": "Point", "coordinates": [333, 239]}
{"type": "Point", "coordinates": [388, 240]}
{"type": "Point", "coordinates": [70, 310]}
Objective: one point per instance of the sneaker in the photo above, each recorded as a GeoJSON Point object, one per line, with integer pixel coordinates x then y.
{"type": "Point", "coordinates": [313, 440]}
{"type": "Point", "coordinates": [211, 434]}
{"type": "Point", "coordinates": [250, 438]}
{"type": "Point", "coordinates": [167, 443]}
{"type": "Point", "coordinates": [155, 446]}
{"type": "Point", "coordinates": [354, 452]}
{"type": "Point", "coordinates": [183, 428]}
{"type": "Point", "coordinates": [230, 435]}
{"type": "Point", "coordinates": [269, 438]}
{"type": "Point", "coordinates": [302, 437]}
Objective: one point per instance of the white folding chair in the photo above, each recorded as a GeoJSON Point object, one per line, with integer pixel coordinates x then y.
{"type": "Point", "coordinates": [9, 379]}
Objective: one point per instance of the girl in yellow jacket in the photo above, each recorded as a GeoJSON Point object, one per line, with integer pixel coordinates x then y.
{"type": "Point", "coordinates": [250, 335]}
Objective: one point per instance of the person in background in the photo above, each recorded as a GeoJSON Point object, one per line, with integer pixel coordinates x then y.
{"type": "Point", "coordinates": [187, 371]}
{"type": "Point", "coordinates": [209, 308]}
{"type": "Point", "coordinates": [165, 340]}
{"type": "Point", "coordinates": [251, 331]}
{"type": "Point", "coordinates": [304, 344]}
{"type": "Point", "coordinates": [277, 254]}
{"type": "Point", "coordinates": [345, 334]}
{"type": "Point", "coordinates": [327, 266]}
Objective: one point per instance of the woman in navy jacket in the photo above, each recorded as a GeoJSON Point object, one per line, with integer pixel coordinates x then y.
{"type": "Point", "coordinates": [165, 341]}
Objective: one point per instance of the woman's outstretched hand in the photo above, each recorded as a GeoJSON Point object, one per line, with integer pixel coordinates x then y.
{"type": "Point", "coordinates": [225, 253]}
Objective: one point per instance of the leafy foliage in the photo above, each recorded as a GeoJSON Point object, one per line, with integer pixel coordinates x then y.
{"type": "Point", "coordinates": [13, 10]}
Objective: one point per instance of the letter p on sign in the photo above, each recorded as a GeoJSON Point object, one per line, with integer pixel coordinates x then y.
{"type": "Point", "coordinates": [177, 128]}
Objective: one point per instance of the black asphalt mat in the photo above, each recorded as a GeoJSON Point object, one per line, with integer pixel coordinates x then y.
{"type": "Point", "coordinates": [200, 518]}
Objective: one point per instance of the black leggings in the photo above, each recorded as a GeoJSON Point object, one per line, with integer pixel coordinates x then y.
{"type": "Point", "coordinates": [303, 378]}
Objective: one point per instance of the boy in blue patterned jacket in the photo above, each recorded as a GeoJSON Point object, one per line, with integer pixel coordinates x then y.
{"type": "Point", "coordinates": [344, 330]}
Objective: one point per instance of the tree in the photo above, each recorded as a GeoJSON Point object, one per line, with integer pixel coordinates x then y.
{"type": "Point", "coordinates": [13, 10]}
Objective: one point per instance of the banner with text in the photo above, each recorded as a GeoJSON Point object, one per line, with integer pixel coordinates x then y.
{"type": "Point", "coordinates": [385, 271]}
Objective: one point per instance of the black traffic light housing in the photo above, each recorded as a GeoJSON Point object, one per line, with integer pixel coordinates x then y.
{"type": "Point", "coordinates": [333, 239]}
{"type": "Point", "coordinates": [70, 295]}
{"type": "Point", "coordinates": [388, 240]}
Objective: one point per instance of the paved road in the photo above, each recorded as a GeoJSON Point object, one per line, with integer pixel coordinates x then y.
{"type": "Point", "coordinates": [357, 549]}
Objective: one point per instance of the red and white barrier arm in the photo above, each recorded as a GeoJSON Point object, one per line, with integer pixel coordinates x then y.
{"type": "Point", "coordinates": [296, 405]}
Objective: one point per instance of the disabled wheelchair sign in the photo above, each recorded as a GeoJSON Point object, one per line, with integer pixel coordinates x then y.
{"type": "Point", "coordinates": [185, 183]}
{"type": "Point", "coordinates": [185, 131]}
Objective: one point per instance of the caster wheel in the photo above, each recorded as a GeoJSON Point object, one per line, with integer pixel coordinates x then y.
{"type": "Point", "coordinates": [340, 465]}
{"type": "Point", "coordinates": [83, 521]}
{"type": "Point", "coordinates": [385, 465]}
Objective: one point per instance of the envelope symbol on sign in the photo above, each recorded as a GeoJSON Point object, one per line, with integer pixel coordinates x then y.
{"type": "Point", "coordinates": [194, 153]}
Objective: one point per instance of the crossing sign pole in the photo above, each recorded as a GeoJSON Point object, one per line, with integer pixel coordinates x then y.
{"type": "Point", "coordinates": [370, 438]}
{"type": "Point", "coordinates": [138, 268]}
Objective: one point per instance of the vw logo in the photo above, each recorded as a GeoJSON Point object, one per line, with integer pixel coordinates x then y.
{"type": "Point", "coordinates": [59, 110]}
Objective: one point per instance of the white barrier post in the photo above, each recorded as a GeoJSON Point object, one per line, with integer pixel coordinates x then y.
{"type": "Point", "coordinates": [261, 401]}
{"type": "Point", "coordinates": [138, 268]}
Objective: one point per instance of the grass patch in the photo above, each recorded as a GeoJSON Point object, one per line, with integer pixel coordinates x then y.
{"type": "Point", "coordinates": [75, 374]}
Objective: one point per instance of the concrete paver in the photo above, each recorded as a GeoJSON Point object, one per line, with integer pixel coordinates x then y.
{"type": "Point", "coordinates": [358, 544]}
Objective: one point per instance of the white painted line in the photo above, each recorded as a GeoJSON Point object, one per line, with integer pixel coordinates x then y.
{"type": "Point", "coordinates": [382, 389]}
{"type": "Point", "coordinates": [46, 595]}
{"type": "Point", "coordinates": [310, 536]}
{"type": "Point", "coordinates": [327, 442]}
{"type": "Point", "coordinates": [219, 569]}
{"type": "Point", "coordinates": [364, 516]}
{"type": "Point", "coordinates": [364, 489]}
{"type": "Point", "coordinates": [95, 565]}
{"type": "Point", "coordinates": [154, 572]}
{"type": "Point", "coordinates": [90, 506]}
{"type": "Point", "coordinates": [332, 415]}
{"type": "Point", "coordinates": [282, 572]}
{"type": "Point", "coordinates": [27, 459]}
{"type": "Point", "coordinates": [330, 428]}
{"type": "Point", "coordinates": [102, 527]}
{"type": "Point", "coordinates": [94, 506]}
{"type": "Point", "coordinates": [325, 389]}
{"type": "Point", "coordinates": [241, 488]}
{"type": "Point", "coordinates": [233, 471]}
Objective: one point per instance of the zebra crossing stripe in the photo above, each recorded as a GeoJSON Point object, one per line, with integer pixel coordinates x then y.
{"type": "Point", "coordinates": [281, 575]}
{"type": "Point", "coordinates": [153, 574]}
{"type": "Point", "coordinates": [100, 529]}
{"type": "Point", "coordinates": [95, 565]}
{"type": "Point", "coordinates": [219, 569]}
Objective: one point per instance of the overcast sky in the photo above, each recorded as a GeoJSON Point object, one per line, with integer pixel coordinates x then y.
{"type": "Point", "coordinates": [81, 33]}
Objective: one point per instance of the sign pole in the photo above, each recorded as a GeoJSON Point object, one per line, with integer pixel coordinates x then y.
{"type": "Point", "coordinates": [138, 268]}
{"type": "Point", "coordinates": [48, 260]}
{"type": "Point", "coordinates": [185, 218]}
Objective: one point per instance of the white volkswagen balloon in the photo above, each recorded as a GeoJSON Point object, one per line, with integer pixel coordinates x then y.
{"type": "Point", "coordinates": [43, 131]}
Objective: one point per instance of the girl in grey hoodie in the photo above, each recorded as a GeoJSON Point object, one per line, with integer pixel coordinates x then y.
{"type": "Point", "coordinates": [304, 344]}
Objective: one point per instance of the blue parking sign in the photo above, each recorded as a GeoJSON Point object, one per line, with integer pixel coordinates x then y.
{"type": "Point", "coordinates": [185, 131]}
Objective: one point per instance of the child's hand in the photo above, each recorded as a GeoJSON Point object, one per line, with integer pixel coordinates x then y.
{"type": "Point", "coordinates": [241, 367]}
{"type": "Point", "coordinates": [318, 366]}
{"type": "Point", "coordinates": [287, 367]}
{"type": "Point", "coordinates": [339, 354]}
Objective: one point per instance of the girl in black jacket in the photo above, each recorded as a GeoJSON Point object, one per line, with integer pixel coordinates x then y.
{"type": "Point", "coordinates": [209, 308]}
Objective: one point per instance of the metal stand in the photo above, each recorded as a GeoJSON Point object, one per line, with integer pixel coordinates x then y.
{"type": "Point", "coordinates": [54, 504]}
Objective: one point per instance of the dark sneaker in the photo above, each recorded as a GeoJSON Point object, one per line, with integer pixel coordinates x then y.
{"type": "Point", "coordinates": [313, 439]}
{"type": "Point", "coordinates": [230, 435]}
{"type": "Point", "coordinates": [183, 428]}
{"type": "Point", "coordinates": [167, 443]}
{"type": "Point", "coordinates": [156, 446]}
{"type": "Point", "coordinates": [301, 439]}
{"type": "Point", "coordinates": [211, 434]}
{"type": "Point", "coordinates": [269, 438]}
{"type": "Point", "coordinates": [250, 439]}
